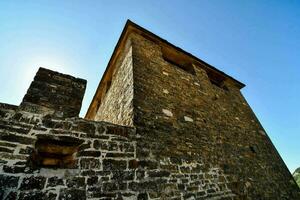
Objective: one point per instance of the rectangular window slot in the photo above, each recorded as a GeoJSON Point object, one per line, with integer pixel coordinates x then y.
{"type": "Point", "coordinates": [178, 59]}
{"type": "Point", "coordinates": [55, 152]}
{"type": "Point", "coordinates": [186, 67]}
{"type": "Point", "coordinates": [217, 80]}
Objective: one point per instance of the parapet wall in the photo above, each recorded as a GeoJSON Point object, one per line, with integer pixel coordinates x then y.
{"type": "Point", "coordinates": [101, 157]}
{"type": "Point", "coordinates": [105, 164]}
{"type": "Point", "coordinates": [54, 93]}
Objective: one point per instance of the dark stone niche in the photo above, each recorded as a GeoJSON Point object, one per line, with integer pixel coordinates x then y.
{"type": "Point", "coordinates": [55, 152]}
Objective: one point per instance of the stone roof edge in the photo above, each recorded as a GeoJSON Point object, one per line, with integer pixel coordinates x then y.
{"type": "Point", "coordinates": [130, 23]}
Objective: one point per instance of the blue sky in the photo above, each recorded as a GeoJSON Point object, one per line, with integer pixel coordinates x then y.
{"type": "Point", "coordinates": [257, 42]}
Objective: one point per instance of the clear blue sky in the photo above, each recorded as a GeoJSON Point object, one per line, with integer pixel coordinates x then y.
{"type": "Point", "coordinates": [257, 42]}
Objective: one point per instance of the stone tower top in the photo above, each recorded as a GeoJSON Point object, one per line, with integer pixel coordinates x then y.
{"type": "Point", "coordinates": [169, 52]}
{"type": "Point", "coordinates": [54, 93]}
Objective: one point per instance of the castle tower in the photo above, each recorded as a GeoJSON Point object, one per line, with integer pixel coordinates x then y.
{"type": "Point", "coordinates": [163, 124]}
{"type": "Point", "coordinates": [192, 123]}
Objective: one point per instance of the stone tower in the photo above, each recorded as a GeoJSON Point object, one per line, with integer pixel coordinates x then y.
{"type": "Point", "coordinates": [191, 120]}
{"type": "Point", "coordinates": [163, 124]}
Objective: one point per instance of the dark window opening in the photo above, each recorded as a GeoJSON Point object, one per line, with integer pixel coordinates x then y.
{"type": "Point", "coordinates": [217, 80]}
{"type": "Point", "coordinates": [55, 153]}
{"type": "Point", "coordinates": [186, 67]}
{"type": "Point", "coordinates": [253, 149]}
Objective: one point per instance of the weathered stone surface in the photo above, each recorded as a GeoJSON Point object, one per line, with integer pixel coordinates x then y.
{"type": "Point", "coordinates": [14, 169]}
{"type": "Point", "coordinates": [34, 195]}
{"type": "Point", "coordinates": [76, 182]}
{"type": "Point", "coordinates": [92, 180]}
{"type": "Point", "coordinates": [85, 127]}
{"type": "Point", "coordinates": [33, 182]}
{"type": "Point", "coordinates": [8, 181]}
{"type": "Point", "coordinates": [89, 163]}
{"type": "Point", "coordinates": [113, 165]}
{"type": "Point", "coordinates": [89, 153]}
{"type": "Point", "coordinates": [72, 194]}
{"type": "Point", "coordinates": [55, 181]}
{"type": "Point", "coordinates": [194, 135]}
{"type": "Point", "coordinates": [54, 93]}
{"type": "Point", "coordinates": [10, 137]}
{"type": "Point", "coordinates": [122, 175]}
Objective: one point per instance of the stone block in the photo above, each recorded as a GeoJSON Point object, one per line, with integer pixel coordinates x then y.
{"type": "Point", "coordinates": [14, 169]}
{"type": "Point", "coordinates": [39, 195]}
{"type": "Point", "coordinates": [76, 182]}
{"type": "Point", "coordinates": [158, 173]}
{"type": "Point", "coordinates": [7, 181]}
{"type": "Point", "coordinates": [55, 181]}
{"type": "Point", "coordinates": [110, 186]}
{"type": "Point", "coordinates": [114, 165]}
{"type": "Point", "coordinates": [92, 180]}
{"type": "Point", "coordinates": [144, 186]}
{"type": "Point", "coordinates": [28, 150]}
{"type": "Point", "coordinates": [33, 182]}
{"type": "Point", "coordinates": [89, 153]}
{"type": "Point", "coordinates": [84, 126]}
{"type": "Point", "coordinates": [142, 196]}
{"type": "Point", "coordinates": [10, 137]}
{"type": "Point", "coordinates": [7, 150]}
{"type": "Point", "coordinates": [12, 195]}
{"type": "Point", "coordinates": [89, 163]}
{"type": "Point", "coordinates": [72, 194]}
{"type": "Point", "coordinates": [119, 155]}
{"type": "Point", "coordinates": [115, 130]}
{"type": "Point", "coordinates": [122, 175]}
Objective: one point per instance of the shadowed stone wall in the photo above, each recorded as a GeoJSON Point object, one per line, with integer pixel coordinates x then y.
{"type": "Point", "coordinates": [101, 166]}
{"type": "Point", "coordinates": [45, 156]}
{"type": "Point", "coordinates": [184, 118]}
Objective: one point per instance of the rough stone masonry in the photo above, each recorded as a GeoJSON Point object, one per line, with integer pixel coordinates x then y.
{"type": "Point", "coordinates": [163, 124]}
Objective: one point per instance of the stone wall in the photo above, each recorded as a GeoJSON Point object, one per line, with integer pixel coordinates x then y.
{"type": "Point", "coordinates": [46, 156]}
{"type": "Point", "coordinates": [54, 93]}
{"type": "Point", "coordinates": [186, 118]}
{"type": "Point", "coordinates": [188, 136]}
{"type": "Point", "coordinates": [116, 104]}
{"type": "Point", "coordinates": [102, 158]}
{"type": "Point", "coordinates": [106, 164]}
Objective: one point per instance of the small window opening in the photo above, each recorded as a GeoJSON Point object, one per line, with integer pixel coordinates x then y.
{"type": "Point", "coordinates": [217, 80]}
{"type": "Point", "coordinates": [55, 153]}
{"type": "Point", "coordinates": [253, 149]}
{"type": "Point", "coordinates": [186, 67]}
